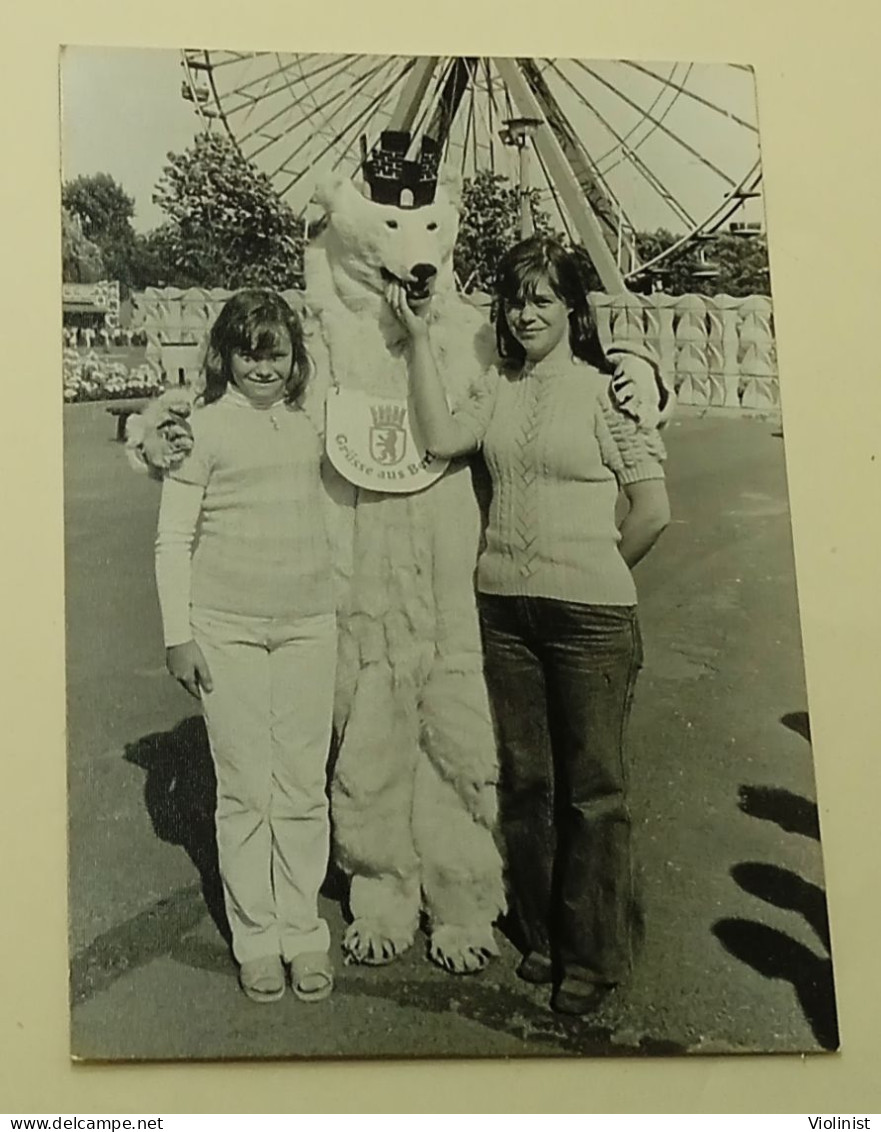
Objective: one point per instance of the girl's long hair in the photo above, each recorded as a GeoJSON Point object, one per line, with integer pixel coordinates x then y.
{"type": "Point", "coordinates": [521, 272]}
{"type": "Point", "coordinates": [251, 322]}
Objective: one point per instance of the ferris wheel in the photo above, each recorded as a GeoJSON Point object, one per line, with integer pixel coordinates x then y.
{"type": "Point", "coordinates": [607, 149]}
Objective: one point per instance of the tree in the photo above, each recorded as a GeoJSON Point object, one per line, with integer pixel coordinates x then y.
{"type": "Point", "coordinates": [152, 261]}
{"type": "Point", "coordinates": [490, 225]}
{"type": "Point", "coordinates": [105, 212]}
{"type": "Point", "coordinates": [226, 226]}
{"type": "Point", "coordinates": [81, 260]}
{"type": "Point", "coordinates": [104, 208]}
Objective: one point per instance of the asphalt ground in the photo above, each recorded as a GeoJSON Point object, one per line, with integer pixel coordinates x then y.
{"type": "Point", "coordinates": [735, 956]}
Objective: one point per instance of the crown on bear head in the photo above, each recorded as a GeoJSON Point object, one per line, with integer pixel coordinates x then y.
{"type": "Point", "coordinates": [392, 179]}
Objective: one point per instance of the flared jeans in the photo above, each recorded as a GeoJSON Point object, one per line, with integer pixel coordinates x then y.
{"type": "Point", "coordinates": [269, 726]}
{"type": "Point", "coordinates": [561, 677]}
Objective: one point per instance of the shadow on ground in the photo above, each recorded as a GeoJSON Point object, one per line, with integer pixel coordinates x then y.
{"type": "Point", "coordinates": [179, 792]}
{"type": "Point", "coordinates": [769, 951]}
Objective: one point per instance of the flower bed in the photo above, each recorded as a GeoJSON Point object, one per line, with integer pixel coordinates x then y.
{"type": "Point", "coordinates": [89, 378]}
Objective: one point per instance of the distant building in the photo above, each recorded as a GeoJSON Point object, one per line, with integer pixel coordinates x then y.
{"type": "Point", "coordinates": [92, 305]}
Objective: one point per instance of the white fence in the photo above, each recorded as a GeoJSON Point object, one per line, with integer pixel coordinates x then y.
{"type": "Point", "coordinates": [715, 351]}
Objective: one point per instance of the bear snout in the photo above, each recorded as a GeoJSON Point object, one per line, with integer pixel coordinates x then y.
{"type": "Point", "coordinates": [422, 272]}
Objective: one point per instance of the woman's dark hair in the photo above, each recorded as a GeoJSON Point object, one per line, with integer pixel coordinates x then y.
{"type": "Point", "coordinates": [252, 322]}
{"type": "Point", "coordinates": [521, 271]}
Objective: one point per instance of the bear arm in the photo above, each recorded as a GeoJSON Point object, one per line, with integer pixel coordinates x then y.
{"type": "Point", "coordinates": [159, 439]}
{"type": "Point", "coordinates": [639, 387]}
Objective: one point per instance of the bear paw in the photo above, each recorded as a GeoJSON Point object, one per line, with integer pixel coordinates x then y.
{"type": "Point", "coordinates": [366, 942]}
{"type": "Point", "coordinates": [462, 951]}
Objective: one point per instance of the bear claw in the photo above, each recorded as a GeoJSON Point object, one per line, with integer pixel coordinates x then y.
{"type": "Point", "coordinates": [462, 951]}
{"type": "Point", "coordinates": [366, 943]}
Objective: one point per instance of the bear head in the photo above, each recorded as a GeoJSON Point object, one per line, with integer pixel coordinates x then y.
{"type": "Point", "coordinates": [368, 245]}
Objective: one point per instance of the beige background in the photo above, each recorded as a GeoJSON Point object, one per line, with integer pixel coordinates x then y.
{"type": "Point", "coordinates": [819, 95]}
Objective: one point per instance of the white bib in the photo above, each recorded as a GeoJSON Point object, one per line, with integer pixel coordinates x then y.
{"type": "Point", "coordinates": [372, 443]}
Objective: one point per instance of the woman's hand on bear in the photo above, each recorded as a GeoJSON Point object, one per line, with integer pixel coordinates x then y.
{"type": "Point", "coordinates": [188, 666]}
{"type": "Point", "coordinates": [414, 322]}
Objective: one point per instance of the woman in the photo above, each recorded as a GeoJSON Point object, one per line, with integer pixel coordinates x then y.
{"type": "Point", "coordinates": [558, 608]}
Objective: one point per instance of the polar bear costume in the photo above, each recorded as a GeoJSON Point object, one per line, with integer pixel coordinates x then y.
{"type": "Point", "coordinates": [413, 788]}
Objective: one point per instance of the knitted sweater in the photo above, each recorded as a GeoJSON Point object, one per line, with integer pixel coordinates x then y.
{"type": "Point", "coordinates": [557, 450]}
{"type": "Point", "coordinates": [249, 495]}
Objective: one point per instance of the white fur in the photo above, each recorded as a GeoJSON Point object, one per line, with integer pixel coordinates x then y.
{"type": "Point", "coordinates": [413, 791]}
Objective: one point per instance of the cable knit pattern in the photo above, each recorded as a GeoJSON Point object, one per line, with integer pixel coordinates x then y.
{"type": "Point", "coordinates": [558, 449]}
{"type": "Point", "coordinates": [525, 471]}
{"type": "Point", "coordinates": [627, 450]}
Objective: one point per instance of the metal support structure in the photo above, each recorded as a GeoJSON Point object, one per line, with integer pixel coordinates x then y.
{"type": "Point", "coordinates": [460, 74]}
{"type": "Point", "coordinates": [527, 225]}
{"type": "Point", "coordinates": [607, 211]}
{"type": "Point", "coordinates": [410, 99]}
{"type": "Point", "coordinates": [518, 133]}
{"type": "Point", "coordinates": [583, 217]}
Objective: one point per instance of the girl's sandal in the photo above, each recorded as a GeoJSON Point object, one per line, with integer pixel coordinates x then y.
{"type": "Point", "coordinates": [312, 976]}
{"type": "Point", "coordinates": [262, 979]}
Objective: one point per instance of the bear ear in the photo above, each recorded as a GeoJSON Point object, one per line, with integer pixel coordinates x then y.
{"type": "Point", "coordinates": [450, 181]}
{"type": "Point", "coordinates": [326, 190]}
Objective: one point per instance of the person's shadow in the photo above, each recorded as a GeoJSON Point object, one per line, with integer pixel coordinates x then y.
{"type": "Point", "coordinates": [180, 795]}
{"type": "Point", "coordinates": [773, 953]}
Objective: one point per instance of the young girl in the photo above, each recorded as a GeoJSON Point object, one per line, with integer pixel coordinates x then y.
{"type": "Point", "coordinates": [250, 629]}
{"type": "Point", "coordinates": [558, 609]}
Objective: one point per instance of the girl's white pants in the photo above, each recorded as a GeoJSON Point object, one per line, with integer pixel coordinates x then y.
{"type": "Point", "coordinates": [269, 725]}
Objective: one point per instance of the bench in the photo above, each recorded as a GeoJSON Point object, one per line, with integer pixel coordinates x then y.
{"type": "Point", "coordinates": [122, 412]}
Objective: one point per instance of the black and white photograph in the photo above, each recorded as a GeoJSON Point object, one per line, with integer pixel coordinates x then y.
{"type": "Point", "coordinates": [434, 669]}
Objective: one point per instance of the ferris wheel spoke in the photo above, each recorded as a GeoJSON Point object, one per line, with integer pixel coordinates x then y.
{"type": "Point", "coordinates": [654, 108]}
{"type": "Point", "coordinates": [431, 108]}
{"type": "Point", "coordinates": [561, 211]}
{"type": "Point", "coordinates": [648, 175]}
{"type": "Point", "coordinates": [459, 77]}
{"type": "Point", "coordinates": [412, 97]}
{"type": "Point", "coordinates": [355, 125]}
{"type": "Point", "coordinates": [692, 95]}
{"type": "Point", "coordinates": [666, 129]}
{"type": "Point", "coordinates": [309, 136]}
{"type": "Point", "coordinates": [248, 97]}
{"type": "Point", "coordinates": [486, 118]}
{"type": "Point", "coordinates": [222, 59]}
{"type": "Point", "coordinates": [509, 105]}
{"type": "Point", "coordinates": [745, 189]}
{"type": "Point", "coordinates": [490, 108]}
{"type": "Point", "coordinates": [384, 64]}
{"type": "Point", "coordinates": [593, 186]}
{"type": "Point", "coordinates": [656, 119]}
{"type": "Point", "coordinates": [469, 128]}
{"type": "Point", "coordinates": [260, 130]}
{"type": "Point", "coordinates": [428, 113]}
{"type": "Point", "coordinates": [336, 139]}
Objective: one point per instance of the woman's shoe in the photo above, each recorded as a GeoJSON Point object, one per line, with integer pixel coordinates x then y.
{"type": "Point", "coordinates": [262, 979]}
{"type": "Point", "coordinates": [580, 998]}
{"type": "Point", "coordinates": [536, 968]}
{"type": "Point", "coordinates": [312, 976]}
